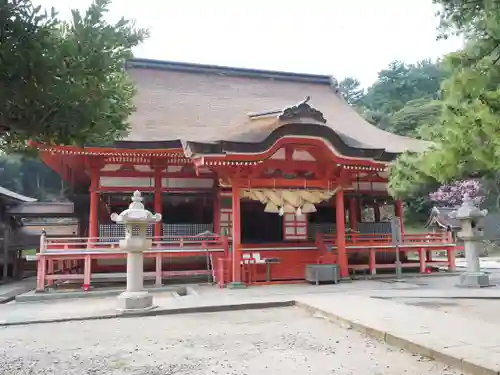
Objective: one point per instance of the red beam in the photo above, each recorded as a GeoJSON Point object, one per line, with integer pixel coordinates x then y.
{"type": "Point", "coordinates": [152, 174]}
{"type": "Point", "coordinates": [301, 142]}
{"type": "Point", "coordinates": [127, 189]}
{"type": "Point", "coordinates": [369, 179]}
{"type": "Point", "coordinates": [286, 183]}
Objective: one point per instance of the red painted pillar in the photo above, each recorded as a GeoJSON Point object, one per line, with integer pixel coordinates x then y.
{"type": "Point", "coordinates": [341, 243]}
{"type": "Point", "coordinates": [353, 213]}
{"type": "Point", "coordinates": [398, 211]}
{"type": "Point", "coordinates": [94, 203]}
{"type": "Point", "coordinates": [158, 202]}
{"type": "Point", "coordinates": [236, 234]}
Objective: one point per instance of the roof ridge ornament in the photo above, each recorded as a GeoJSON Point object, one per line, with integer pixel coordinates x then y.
{"type": "Point", "coordinates": [303, 109]}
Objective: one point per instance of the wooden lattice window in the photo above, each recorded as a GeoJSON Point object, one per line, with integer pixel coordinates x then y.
{"type": "Point", "coordinates": [294, 227]}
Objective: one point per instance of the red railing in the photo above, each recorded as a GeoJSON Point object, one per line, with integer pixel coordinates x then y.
{"type": "Point", "coordinates": [325, 256]}
{"type": "Point", "coordinates": [366, 246]}
{"type": "Point", "coordinates": [70, 258]}
{"type": "Point", "coordinates": [369, 239]}
{"type": "Point", "coordinates": [105, 244]}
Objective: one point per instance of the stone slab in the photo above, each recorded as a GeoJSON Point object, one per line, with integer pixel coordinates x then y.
{"type": "Point", "coordinates": [422, 331]}
{"type": "Point", "coordinates": [454, 293]}
{"type": "Point", "coordinates": [106, 308]}
{"type": "Point", "coordinates": [9, 291]}
{"type": "Point", "coordinates": [33, 296]}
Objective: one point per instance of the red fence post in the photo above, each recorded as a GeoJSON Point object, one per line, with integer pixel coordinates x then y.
{"type": "Point", "coordinates": [422, 259]}
{"type": "Point", "coordinates": [450, 252]}
{"type": "Point", "coordinates": [87, 270]}
{"type": "Point", "coordinates": [40, 272]}
{"type": "Point", "coordinates": [373, 261]}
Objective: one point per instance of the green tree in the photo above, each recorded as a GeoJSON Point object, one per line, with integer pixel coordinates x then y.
{"type": "Point", "coordinates": [351, 90]}
{"type": "Point", "coordinates": [466, 141]}
{"type": "Point", "coordinates": [416, 114]}
{"type": "Point", "coordinates": [405, 100]}
{"type": "Point", "coordinates": [63, 82]}
{"type": "Point", "coordinates": [401, 83]}
{"type": "Point", "coordinates": [404, 97]}
{"type": "Point", "coordinates": [379, 119]}
{"type": "Point", "coordinates": [10, 174]}
{"type": "Point", "coordinates": [31, 177]}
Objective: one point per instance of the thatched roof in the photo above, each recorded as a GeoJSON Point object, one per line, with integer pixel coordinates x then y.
{"type": "Point", "coordinates": [201, 104]}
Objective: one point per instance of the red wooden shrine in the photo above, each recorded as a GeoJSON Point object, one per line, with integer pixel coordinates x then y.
{"type": "Point", "coordinates": [241, 175]}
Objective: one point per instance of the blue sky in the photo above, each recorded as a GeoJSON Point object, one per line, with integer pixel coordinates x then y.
{"type": "Point", "coordinates": [336, 37]}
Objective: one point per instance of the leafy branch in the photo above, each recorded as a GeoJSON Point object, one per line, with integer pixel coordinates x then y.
{"type": "Point", "coordinates": [63, 82]}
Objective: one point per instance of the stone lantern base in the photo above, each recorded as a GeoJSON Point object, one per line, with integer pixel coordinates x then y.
{"type": "Point", "coordinates": [474, 280]}
{"type": "Point", "coordinates": [135, 301]}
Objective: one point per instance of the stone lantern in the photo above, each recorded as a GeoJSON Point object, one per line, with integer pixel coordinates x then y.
{"type": "Point", "coordinates": [469, 216]}
{"type": "Point", "coordinates": [136, 220]}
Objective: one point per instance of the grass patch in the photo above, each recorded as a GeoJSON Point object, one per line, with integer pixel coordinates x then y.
{"type": "Point", "coordinates": [29, 252]}
{"type": "Point", "coordinates": [415, 228]}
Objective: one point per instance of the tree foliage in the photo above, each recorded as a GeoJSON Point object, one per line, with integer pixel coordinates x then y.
{"type": "Point", "coordinates": [32, 178]}
{"type": "Point", "coordinates": [403, 99]}
{"type": "Point", "coordinates": [63, 82]}
{"type": "Point", "coordinates": [466, 140]}
{"type": "Point", "coordinates": [415, 115]}
{"type": "Point", "coordinates": [401, 83]}
{"type": "Point", "coordinates": [351, 89]}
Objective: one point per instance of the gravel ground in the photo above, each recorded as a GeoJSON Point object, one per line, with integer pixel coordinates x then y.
{"type": "Point", "coordinates": [266, 342]}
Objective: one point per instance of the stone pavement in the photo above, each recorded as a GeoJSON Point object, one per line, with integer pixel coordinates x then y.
{"type": "Point", "coordinates": [199, 297]}
{"type": "Point", "coordinates": [106, 308]}
{"type": "Point", "coordinates": [9, 291]}
{"type": "Point", "coordinates": [464, 342]}
{"type": "Point", "coordinates": [474, 348]}
{"type": "Point", "coordinates": [457, 293]}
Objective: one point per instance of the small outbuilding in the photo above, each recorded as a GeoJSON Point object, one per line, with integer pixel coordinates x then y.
{"type": "Point", "coordinates": [439, 219]}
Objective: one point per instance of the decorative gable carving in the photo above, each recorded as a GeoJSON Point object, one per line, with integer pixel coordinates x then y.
{"type": "Point", "coordinates": [302, 110]}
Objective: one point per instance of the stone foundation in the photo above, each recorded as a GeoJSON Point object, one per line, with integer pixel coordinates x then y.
{"type": "Point", "coordinates": [135, 301]}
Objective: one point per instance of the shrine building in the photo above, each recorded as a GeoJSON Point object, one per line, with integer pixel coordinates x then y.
{"type": "Point", "coordinates": [247, 165]}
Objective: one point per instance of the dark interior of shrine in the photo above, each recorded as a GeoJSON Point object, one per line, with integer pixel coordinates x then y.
{"type": "Point", "coordinates": [258, 226]}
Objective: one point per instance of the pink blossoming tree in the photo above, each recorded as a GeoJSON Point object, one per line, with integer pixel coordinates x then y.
{"type": "Point", "coordinates": [452, 194]}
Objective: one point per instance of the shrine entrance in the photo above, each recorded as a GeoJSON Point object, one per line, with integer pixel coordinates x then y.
{"type": "Point", "coordinates": [257, 226]}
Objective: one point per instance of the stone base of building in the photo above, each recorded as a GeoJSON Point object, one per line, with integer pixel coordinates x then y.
{"type": "Point", "coordinates": [135, 301]}
{"type": "Point", "coordinates": [474, 280]}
